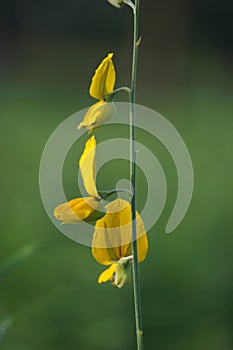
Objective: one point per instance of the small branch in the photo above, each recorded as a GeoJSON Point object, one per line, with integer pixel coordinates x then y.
{"type": "Point", "coordinates": [111, 97]}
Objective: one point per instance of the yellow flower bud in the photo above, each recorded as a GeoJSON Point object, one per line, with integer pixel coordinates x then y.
{"type": "Point", "coordinates": [103, 81]}
{"type": "Point", "coordinates": [101, 88]}
{"type": "Point", "coordinates": [87, 165]}
{"type": "Point", "coordinates": [79, 209]}
{"type": "Point", "coordinates": [97, 115]}
{"type": "Point", "coordinates": [86, 209]}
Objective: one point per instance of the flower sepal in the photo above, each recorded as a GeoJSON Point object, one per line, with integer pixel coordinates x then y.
{"type": "Point", "coordinates": [123, 272]}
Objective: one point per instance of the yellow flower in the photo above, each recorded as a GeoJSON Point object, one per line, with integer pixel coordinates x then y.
{"type": "Point", "coordinates": [112, 242]}
{"type": "Point", "coordinates": [98, 114]}
{"type": "Point", "coordinates": [103, 81]}
{"type": "Point", "coordinates": [89, 208]}
{"type": "Point", "coordinates": [77, 210]}
{"type": "Point", "coordinates": [87, 165]}
{"type": "Point", "coordinates": [102, 84]}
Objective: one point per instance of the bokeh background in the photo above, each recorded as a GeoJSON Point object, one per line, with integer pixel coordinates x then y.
{"type": "Point", "coordinates": [49, 296]}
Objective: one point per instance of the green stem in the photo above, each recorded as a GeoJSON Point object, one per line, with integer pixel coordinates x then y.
{"type": "Point", "coordinates": [111, 97]}
{"type": "Point", "coordinates": [106, 194]}
{"type": "Point", "coordinates": [135, 272]}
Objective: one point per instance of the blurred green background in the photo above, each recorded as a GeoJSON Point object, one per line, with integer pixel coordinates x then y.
{"type": "Point", "coordinates": [51, 299]}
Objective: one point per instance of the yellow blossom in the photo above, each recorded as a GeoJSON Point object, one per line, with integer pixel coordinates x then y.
{"type": "Point", "coordinates": [102, 85]}
{"type": "Point", "coordinates": [103, 81]}
{"type": "Point", "coordinates": [89, 208]}
{"type": "Point", "coordinates": [98, 114]}
{"type": "Point", "coordinates": [112, 242]}
{"type": "Point", "coordinates": [77, 210]}
{"type": "Point", "coordinates": [87, 165]}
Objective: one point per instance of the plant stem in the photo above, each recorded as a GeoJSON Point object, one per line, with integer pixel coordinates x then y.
{"type": "Point", "coordinates": [135, 272]}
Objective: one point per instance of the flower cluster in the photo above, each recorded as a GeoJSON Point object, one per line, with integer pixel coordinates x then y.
{"type": "Point", "coordinates": [112, 239]}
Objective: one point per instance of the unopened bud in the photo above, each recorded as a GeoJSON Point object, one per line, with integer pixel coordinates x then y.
{"type": "Point", "coordinates": [117, 3]}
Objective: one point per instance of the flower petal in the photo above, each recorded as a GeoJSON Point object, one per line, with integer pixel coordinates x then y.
{"type": "Point", "coordinates": [77, 209]}
{"type": "Point", "coordinates": [103, 81]}
{"type": "Point", "coordinates": [113, 234]}
{"type": "Point", "coordinates": [87, 164]}
{"type": "Point", "coordinates": [97, 115]}
{"type": "Point", "coordinates": [104, 256]}
{"type": "Point", "coordinates": [107, 275]}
